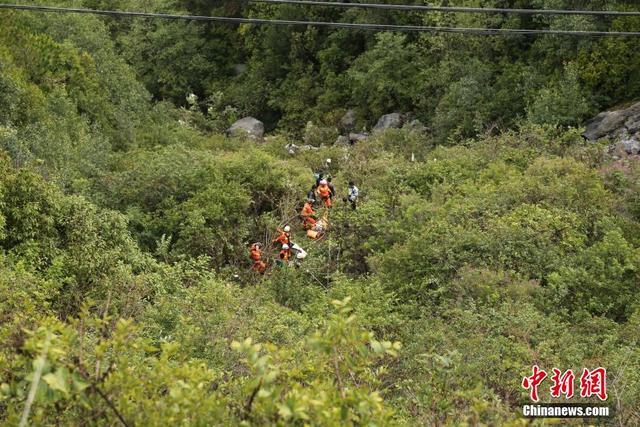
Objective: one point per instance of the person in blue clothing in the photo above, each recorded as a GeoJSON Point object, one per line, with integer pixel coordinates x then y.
{"type": "Point", "coordinates": [352, 195]}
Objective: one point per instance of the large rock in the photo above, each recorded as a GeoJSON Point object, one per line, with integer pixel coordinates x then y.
{"type": "Point", "coordinates": [633, 124]}
{"type": "Point", "coordinates": [247, 126]}
{"type": "Point", "coordinates": [357, 137]}
{"type": "Point", "coordinates": [614, 124]}
{"type": "Point", "coordinates": [388, 121]}
{"type": "Point", "coordinates": [348, 122]}
{"type": "Point", "coordinates": [630, 146]}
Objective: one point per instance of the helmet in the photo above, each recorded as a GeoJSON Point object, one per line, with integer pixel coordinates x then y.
{"type": "Point", "coordinates": [323, 182]}
{"type": "Point", "coordinates": [287, 229]}
{"type": "Point", "coordinates": [328, 160]}
{"type": "Point", "coordinates": [285, 247]}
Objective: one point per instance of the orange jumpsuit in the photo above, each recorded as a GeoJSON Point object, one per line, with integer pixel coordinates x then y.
{"type": "Point", "coordinates": [307, 216]}
{"type": "Point", "coordinates": [284, 238]}
{"type": "Point", "coordinates": [325, 194]}
{"type": "Point", "coordinates": [256, 255]}
{"type": "Point", "coordinates": [284, 255]}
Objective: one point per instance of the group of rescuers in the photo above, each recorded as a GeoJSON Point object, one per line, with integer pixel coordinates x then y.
{"type": "Point", "coordinates": [322, 191]}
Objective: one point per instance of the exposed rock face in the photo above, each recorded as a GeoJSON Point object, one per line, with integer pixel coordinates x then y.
{"type": "Point", "coordinates": [615, 125]}
{"type": "Point", "coordinates": [393, 120]}
{"type": "Point", "coordinates": [247, 126]}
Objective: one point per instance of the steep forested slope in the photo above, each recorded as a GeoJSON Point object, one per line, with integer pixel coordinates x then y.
{"type": "Point", "coordinates": [125, 281]}
{"type": "Point", "coordinates": [455, 84]}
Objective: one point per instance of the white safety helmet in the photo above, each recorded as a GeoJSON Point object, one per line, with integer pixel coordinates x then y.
{"type": "Point", "coordinates": [287, 229]}
{"type": "Point", "coordinates": [323, 182]}
{"type": "Point", "coordinates": [328, 160]}
{"type": "Point", "coordinates": [285, 247]}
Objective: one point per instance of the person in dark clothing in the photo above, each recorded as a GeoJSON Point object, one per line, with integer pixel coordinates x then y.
{"type": "Point", "coordinates": [321, 174]}
{"type": "Point", "coordinates": [332, 188]}
{"type": "Point", "coordinates": [311, 195]}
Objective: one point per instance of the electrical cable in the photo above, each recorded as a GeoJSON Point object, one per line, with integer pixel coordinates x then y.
{"type": "Point", "coordinates": [344, 25]}
{"type": "Point", "coordinates": [448, 9]}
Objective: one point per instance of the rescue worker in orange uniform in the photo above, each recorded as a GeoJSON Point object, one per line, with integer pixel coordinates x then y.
{"type": "Point", "coordinates": [324, 192]}
{"type": "Point", "coordinates": [285, 236]}
{"type": "Point", "coordinates": [256, 255]}
{"type": "Point", "coordinates": [308, 214]}
{"type": "Point", "coordinates": [285, 254]}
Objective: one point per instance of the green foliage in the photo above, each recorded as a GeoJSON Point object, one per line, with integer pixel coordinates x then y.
{"type": "Point", "coordinates": [378, 77]}
{"type": "Point", "coordinates": [126, 288]}
{"type": "Point", "coordinates": [561, 102]}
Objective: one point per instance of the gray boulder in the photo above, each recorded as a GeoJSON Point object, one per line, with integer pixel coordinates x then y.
{"type": "Point", "coordinates": [633, 124]}
{"type": "Point", "coordinates": [247, 126]}
{"type": "Point", "coordinates": [348, 122]}
{"type": "Point", "coordinates": [357, 137]}
{"type": "Point", "coordinates": [388, 121]}
{"type": "Point", "coordinates": [630, 146]}
{"type": "Point", "coordinates": [614, 124]}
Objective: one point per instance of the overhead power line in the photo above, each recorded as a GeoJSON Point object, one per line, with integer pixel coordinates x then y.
{"type": "Point", "coordinates": [346, 25]}
{"type": "Point", "coordinates": [449, 9]}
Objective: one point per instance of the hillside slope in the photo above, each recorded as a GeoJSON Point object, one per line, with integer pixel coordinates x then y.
{"type": "Point", "coordinates": [126, 284]}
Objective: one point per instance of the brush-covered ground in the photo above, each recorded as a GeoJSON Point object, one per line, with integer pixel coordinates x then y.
{"type": "Point", "coordinates": [126, 290]}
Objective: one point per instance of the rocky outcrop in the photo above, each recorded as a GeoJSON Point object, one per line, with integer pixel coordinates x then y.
{"type": "Point", "coordinates": [390, 121]}
{"type": "Point", "coordinates": [621, 127]}
{"type": "Point", "coordinates": [247, 126]}
{"type": "Point", "coordinates": [615, 125]}
{"type": "Point", "coordinates": [348, 136]}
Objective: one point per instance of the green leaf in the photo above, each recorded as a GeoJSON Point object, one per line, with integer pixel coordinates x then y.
{"type": "Point", "coordinates": [58, 380]}
{"type": "Point", "coordinates": [284, 411]}
{"type": "Point", "coordinates": [79, 384]}
{"type": "Point", "coordinates": [264, 393]}
{"type": "Point", "coordinates": [376, 346]}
